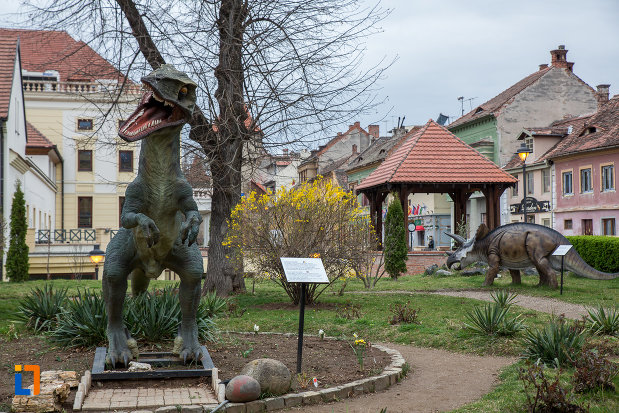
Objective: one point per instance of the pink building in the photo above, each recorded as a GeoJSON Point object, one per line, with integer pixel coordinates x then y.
{"type": "Point", "coordinates": [585, 175]}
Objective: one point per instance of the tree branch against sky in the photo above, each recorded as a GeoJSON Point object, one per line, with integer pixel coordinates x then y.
{"type": "Point", "coordinates": [292, 66]}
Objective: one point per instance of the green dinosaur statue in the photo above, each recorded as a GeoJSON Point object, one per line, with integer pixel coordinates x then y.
{"type": "Point", "coordinates": [160, 218]}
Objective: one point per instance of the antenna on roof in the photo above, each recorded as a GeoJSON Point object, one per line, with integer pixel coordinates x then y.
{"type": "Point", "coordinates": [470, 100]}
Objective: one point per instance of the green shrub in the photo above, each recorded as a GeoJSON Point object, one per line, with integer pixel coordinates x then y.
{"type": "Point", "coordinates": [153, 316]}
{"type": "Point", "coordinates": [38, 310]}
{"type": "Point", "coordinates": [491, 319]}
{"type": "Point", "coordinates": [214, 305]}
{"type": "Point", "coordinates": [17, 258]}
{"type": "Point", "coordinates": [503, 298]}
{"type": "Point", "coordinates": [558, 344]}
{"type": "Point", "coordinates": [395, 248]}
{"type": "Point", "coordinates": [602, 253]}
{"type": "Point", "coordinates": [594, 372]}
{"type": "Point", "coordinates": [603, 321]}
{"type": "Point", "coordinates": [83, 322]}
{"type": "Point", "coordinates": [544, 393]}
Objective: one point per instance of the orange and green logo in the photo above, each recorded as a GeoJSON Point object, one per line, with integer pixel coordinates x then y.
{"type": "Point", "coordinates": [19, 391]}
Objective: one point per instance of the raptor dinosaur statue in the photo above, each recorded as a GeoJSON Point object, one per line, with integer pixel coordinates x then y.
{"type": "Point", "coordinates": [518, 246]}
{"type": "Point", "coordinates": [160, 218]}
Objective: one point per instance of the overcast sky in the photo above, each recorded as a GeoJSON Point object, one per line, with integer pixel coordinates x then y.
{"type": "Point", "coordinates": [478, 48]}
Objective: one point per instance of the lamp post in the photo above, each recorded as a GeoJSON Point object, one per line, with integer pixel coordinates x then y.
{"type": "Point", "coordinates": [96, 256]}
{"type": "Point", "coordinates": [523, 152]}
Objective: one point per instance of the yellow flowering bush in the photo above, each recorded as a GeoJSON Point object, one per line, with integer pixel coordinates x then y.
{"type": "Point", "coordinates": [317, 219]}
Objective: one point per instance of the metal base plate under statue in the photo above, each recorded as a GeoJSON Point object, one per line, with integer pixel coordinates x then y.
{"type": "Point", "coordinates": [166, 365]}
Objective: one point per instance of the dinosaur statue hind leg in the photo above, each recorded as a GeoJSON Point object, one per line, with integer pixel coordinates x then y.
{"type": "Point", "coordinates": [187, 263]}
{"type": "Point", "coordinates": [139, 282]}
{"type": "Point", "coordinates": [115, 273]}
{"type": "Point", "coordinates": [516, 280]}
{"type": "Point", "coordinates": [493, 269]}
{"type": "Point", "coordinates": [539, 257]}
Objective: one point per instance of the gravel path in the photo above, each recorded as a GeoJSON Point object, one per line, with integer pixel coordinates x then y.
{"type": "Point", "coordinates": [438, 381]}
{"type": "Point", "coordinates": [543, 304]}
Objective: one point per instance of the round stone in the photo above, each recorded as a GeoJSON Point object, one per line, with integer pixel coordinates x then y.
{"type": "Point", "coordinates": [242, 389]}
{"type": "Point", "coordinates": [273, 375]}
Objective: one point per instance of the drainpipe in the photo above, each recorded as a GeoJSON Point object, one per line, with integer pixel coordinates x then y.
{"type": "Point", "coordinates": [2, 190]}
{"type": "Point", "coordinates": [55, 149]}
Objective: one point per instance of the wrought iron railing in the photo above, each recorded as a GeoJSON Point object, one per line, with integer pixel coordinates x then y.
{"type": "Point", "coordinates": [46, 236]}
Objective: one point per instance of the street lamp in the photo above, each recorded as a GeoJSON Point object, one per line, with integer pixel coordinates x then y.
{"type": "Point", "coordinates": [523, 152]}
{"type": "Point", "coordinates": [96, 256]}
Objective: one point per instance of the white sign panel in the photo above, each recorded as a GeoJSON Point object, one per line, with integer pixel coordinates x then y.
{"type": "Point", "coordinates": [562, 250]}
{"type": "Point", "coordinates": [304, 270]}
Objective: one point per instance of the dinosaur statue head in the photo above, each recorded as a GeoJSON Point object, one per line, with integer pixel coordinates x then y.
{"type": "Point", "coordinates": [466, 254]}
{"type": "Point", "coordinates": [168, 101]}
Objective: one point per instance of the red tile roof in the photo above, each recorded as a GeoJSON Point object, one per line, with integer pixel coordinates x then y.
{"type": "Point", "coordinates": [599, 131]}
{"type": "Point", "coordinates": [435, 155]}
{"type": "Point", "coordinates": [43, 50]}
{"type": "Point", "coordinates": [36, 139]}
{"type": "Point", "coordinates": [494, 105]}
{"type": "Point", "coordinates": [8, 48]}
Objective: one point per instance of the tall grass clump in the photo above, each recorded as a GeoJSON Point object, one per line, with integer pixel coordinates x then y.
{"type": "Point", "coordinates": [492, 319]}
{"type": "Point", "coordinates": [558, 344]}
{"type": "Point", "coordinates": [83, 321]}
{"type": "Point", "coordinates": [153, 316]}
{"type": "Point", "coordinates": [504, 298]}
{"type": "Point", "coordinates": [38, 310]}
{"type": "Point", "coordinates": [603, 321]}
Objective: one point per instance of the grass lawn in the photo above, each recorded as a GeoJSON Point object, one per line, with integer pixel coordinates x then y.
{"type": "Point", "coordinates": [440, 319]}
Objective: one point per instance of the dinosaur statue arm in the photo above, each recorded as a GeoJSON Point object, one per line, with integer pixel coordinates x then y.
{"type": "Point", "coordinates": [188, 206]}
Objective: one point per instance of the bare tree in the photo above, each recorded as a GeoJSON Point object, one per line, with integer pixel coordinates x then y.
{"type": "Point", "coordinates": [279, 71]}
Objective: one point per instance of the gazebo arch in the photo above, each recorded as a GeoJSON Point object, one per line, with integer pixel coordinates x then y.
{"type": "Point", "coordinates": [434, 160]}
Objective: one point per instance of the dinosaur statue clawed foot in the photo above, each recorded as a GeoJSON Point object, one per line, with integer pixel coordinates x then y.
{"type": "Point", "coordinates": [122, 347]}
{"type": "Point", "coordinates": [187, 347]}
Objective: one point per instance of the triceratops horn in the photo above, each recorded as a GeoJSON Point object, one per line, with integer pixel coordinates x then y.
{"type": "Point", "coordinates": [456, 238]}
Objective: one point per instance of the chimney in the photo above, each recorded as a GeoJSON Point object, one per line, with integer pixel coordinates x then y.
{"type": "Point", "coordinates": [602, 94]}
{"type": "Point", "coordinates": [543, 66]}
{"type": "Point", "coordinates": [358, 124]}
{"type": "Point", "coordinates": [374, 131]}
{"type": "Point", "coordinates": [559, 59]}
{"type": "Point", "coordinates": [285, 150]}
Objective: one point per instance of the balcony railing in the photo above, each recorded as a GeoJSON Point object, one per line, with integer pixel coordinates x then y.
{"type": "Point", "coordinates": [47, 86]}
{"type": "Point", "coordinates": [47, 236]}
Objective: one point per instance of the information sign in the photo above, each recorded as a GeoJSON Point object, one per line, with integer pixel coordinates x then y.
{"type": "Point", "coordinates": [562, 250]}
{"type": "Point", "coordinates": [304, 270]}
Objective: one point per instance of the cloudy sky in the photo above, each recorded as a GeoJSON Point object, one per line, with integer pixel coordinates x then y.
{"type": "Point", "coordinates": [476, 49]}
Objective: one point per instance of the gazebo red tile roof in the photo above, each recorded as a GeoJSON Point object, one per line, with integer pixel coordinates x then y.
{"type": "Point", "coordinates": [432, 155]}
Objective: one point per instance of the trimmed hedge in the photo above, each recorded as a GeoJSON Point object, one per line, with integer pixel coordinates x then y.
{"type": "Point", "coordinates": [602, 253]}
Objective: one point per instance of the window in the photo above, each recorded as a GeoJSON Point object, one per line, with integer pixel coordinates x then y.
{"type": "Point", "coordinates": [546, 222]}
{"type": "Point", "coordinates": [608, 178]}
{"type": "Point", "coordinates": [587, 227]}
{"type": "Point", "coordinates": [608, 226]}
{"type": "Point", "coordinates": [528, 141]}
{"type": "Point", "coordinates": [484, 218]}
{"type": "Point", "coordinates": [531, 218]}
{"type": "Point", "coordinates": [515, 188]}
{"type": "Point", "coordinates": [546, 180]}
{"type": "Point", "coordinates": [585, 181]}
{"type": "Point", "coordinates": [84, 160]}
{"type": "Point", "coordinates": [84, 210]}
{"type": "Point", "coordinates": [567, 224]}
{"type": "Point", "coordinates": [85, 124]}
{"type": "Point", "coordinates": [567, 183]}
{"type": "Point", "coordinates": [530, 185]}
{"type": "Point", "coordinates": [125, 161]}
{"type": "Point", "coordinates": [121, 202]}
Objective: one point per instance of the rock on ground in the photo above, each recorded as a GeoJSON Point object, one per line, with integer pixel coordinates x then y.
{"type": "Point", "coordinates": [273, 375]}
{"type": "Point", "coordinates": [242, 389]}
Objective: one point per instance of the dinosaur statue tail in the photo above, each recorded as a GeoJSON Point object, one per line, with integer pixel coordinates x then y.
{"type": "Point", "coordinates": [577, 265]}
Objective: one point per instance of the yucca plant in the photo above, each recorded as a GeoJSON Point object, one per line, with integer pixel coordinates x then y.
{"type": "Point", "coordinates": [214, 306]}
{"type": "Point", "coordinates": [206, 326]}
{"type": "Point", "coordinates": [38, 310]}
{"type": "Point", "coordinates": [83, 322]}
{"type": "Point", "coordinates": [504, 298]}
{"type": "Point", "coordinates": [603, 321]}
{"type": "Point", "coordinates": [491, 319]}
{"type": "Point", "coordinates": [153, 316]}
{"type": "Point", "coordinates": [557, 344]}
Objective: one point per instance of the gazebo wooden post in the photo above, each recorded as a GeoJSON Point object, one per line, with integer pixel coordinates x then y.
{"type": "Point", "coordinates": [404, 202]}
{"type": "Point", "coordinates": [459, 197]}
{"type": "Point", "coordinates": [491, 207]}
{"type": "Point", "coordinates": [378, 207]}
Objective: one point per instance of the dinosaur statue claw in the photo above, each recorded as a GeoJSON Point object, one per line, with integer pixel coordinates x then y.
{"type": "Point", "coordinates": [126, 360]}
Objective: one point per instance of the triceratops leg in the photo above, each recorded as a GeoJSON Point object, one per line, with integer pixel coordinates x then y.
{"type": "Point", "coordinates": [515, 277]}
{"type": "Point", "coordinates": [115, 273]}
{"type": "Point", "coordinates": [187, 263]}
{"type": "Point", "coordinates": [547, 276]}
{"type": "Point", "coordinates": [493, 269]}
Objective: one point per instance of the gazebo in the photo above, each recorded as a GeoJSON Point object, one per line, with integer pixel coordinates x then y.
{"type": "Point", "coordinates": [434, 160]}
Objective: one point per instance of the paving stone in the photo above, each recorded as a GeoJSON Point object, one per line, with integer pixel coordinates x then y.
{"type": "Point", "coordinates": [194, 408]}
{"type": "Point", "coordinates": [329, 395]}
{"type": "Point", "coordinates": [274, 403]}
{"type": "Point", "coordinates": [79, 399]}
{"type": "Point", "coordinates": [257, 406]}
{"type": "Point", "coordinates": [358, 390]}
{"type": "Point", "coordinates": [292, 400]}
{"type": "Point", "coordinates": [311, 397]}
{"type": "Point", "coordinates": [235, 408]}
{"type": "Point", "coordinates": [167, 409]}
{"type": "Point", "coordinates": [381, 382]}
{"type": "Point", "coordinates": [141, 411]}
{"type": "Point", "coordinates": [214, 377]}
{"type": "Point", "coordinates": [221, 392]}
{"type": "Point", "coordinates": [345, 391]}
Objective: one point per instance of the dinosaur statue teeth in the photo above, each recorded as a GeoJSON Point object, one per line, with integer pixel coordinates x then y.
{"type": "Point", "coordinates": [157, 98]}
{"type": "Point", "coordinates": [166, 103]}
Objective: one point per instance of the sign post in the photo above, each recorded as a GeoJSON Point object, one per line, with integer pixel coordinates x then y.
{"type": "Point", "coordinates": [303, 271]}
{"type": "Point", "coordinates": [561, 251]}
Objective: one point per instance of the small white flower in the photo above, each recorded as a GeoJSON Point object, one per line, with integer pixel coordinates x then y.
{"type": "Point", "coordinates": [321, 333]}
{"type": "Point", "coordinates": [256, 328]}
{"type": "Point", "coordinates": [355, 335]}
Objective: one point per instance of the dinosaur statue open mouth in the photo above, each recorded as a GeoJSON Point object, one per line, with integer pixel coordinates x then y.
{"type": "Point", "coordinates": [153, 113]}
